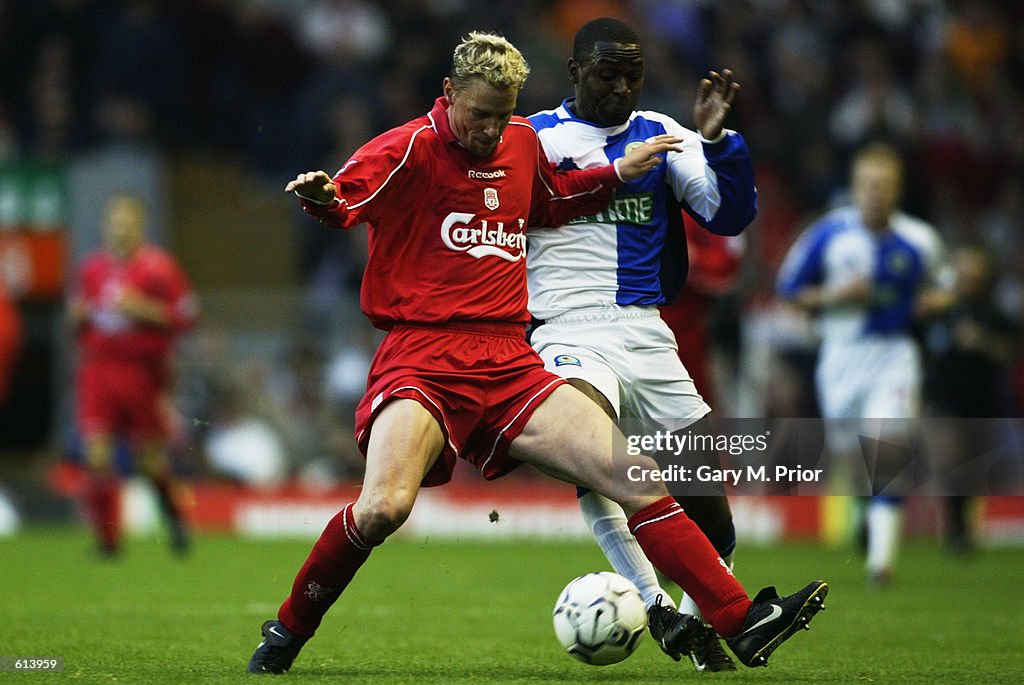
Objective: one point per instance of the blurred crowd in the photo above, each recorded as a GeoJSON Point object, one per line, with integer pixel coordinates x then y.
{"type": "Point", "coordinates": [290, 85]}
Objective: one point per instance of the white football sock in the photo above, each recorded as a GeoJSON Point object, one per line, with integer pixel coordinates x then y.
{"type": "Point", "coordinates": [611, 531]}
{"type": "Point", "coordinates": [883, 523]}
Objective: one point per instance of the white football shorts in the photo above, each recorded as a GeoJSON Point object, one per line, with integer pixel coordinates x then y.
{"type": "Point", "coordinates": [630, 356]}
{"type": "Point", "coordinates": [872, 383]}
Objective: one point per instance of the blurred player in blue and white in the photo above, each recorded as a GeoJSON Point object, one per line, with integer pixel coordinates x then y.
{"type": "Point", "coordinates": [596, 283]}
{"type": "Point", "coordinates": [869, 271]}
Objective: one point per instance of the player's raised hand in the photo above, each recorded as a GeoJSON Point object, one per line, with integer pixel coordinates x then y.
{"type": "Point", "coordinates": [646, 156]}
{"type": "Point", "coordinates": [313, 185]}
{"type": "Point", "coordinates": [714, 100]}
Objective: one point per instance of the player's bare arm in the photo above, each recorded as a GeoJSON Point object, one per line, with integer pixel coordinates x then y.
{"type": "Point", "coordinates": [814, 298]}
{"type": "Point", "coordinates": [715, 96]}
{"type": "Point", "coordinates": [643, 158]}
{"type": "Point", "coordinates": [932, 302]}
{"type": "Point", "coordinates": [313, 185]}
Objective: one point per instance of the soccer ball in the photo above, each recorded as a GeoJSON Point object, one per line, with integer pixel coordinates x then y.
{"type": "Point", "coordinates": [600, 617]}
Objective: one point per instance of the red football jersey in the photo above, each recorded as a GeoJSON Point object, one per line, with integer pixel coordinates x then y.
{"type": "Point", "coordinates": [110, 334]}
{"type": "Point", "coordinates": [447, 230]}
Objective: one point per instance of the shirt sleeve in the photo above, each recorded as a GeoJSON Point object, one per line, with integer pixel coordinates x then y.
{"type": "Point", "coordinates": [803, 264]}
{"type": "Point", "coordinates": [714, 181]}
{"type": "Point", "coordinates": [363, 182]}
{"type": "Point", "coordinates": [182, 304]}
{"type": "Point", "coordinates": [559, 196]}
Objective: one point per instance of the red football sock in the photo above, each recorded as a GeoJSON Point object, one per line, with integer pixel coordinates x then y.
{"type": "Point", "coordinates": [103, 499]}
{"type": "Point", "coordinates": [678, 548]}
{"type": "Point", "coordinates": [329, 568]}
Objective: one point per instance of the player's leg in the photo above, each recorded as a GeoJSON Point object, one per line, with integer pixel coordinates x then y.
{"type": "Point", "coordinates": [607, 523]}
{"type": "Point", "coordinates": [569, 437]}
{"type": "Point", "coordinates": [892, 404]}
{"type": "Point", "coordinates": [96, 419]}
{"type": "Point", "coordinates": [153, 462]}
{"type": "Point", "coordinates": [662, 392]}
{"type": "Point", "coordinates": [148, 418]}
{"type": "Point", "coordinates": [586, 354]}
{"type": "Point", "coordinates": [404, 443]}
{"type": "Point", "coordinates": [672, 629]}
{"type": "Point", "coordinates": [103, 491]}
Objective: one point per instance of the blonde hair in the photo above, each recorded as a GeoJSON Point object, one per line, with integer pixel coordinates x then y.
{"type": "Point", "coordinates": [879, 153]}
{"type": "Point", "coordinates": [490, 57]}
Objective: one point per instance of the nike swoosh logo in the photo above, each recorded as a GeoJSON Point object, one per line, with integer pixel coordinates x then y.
{"type": "Point", "coordinates": [271, 629]}
{"type": "Point", "coordinates": [776, 612]}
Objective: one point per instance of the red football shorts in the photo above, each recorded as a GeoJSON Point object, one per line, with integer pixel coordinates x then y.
{"type": "Point", "coordinates": [121, 398]}
{"type": "Point", "coordinates": [481, 382]}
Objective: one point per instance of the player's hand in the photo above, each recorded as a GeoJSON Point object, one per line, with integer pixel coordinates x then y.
{"type": "Point", "coordinates": [714, 100]}
{"type": "Point", "coordinates": [646, 156]}
{"type": "Point", "coordinates": [313, 185]}
{"type": "Point", "coordinates": [137, 306]}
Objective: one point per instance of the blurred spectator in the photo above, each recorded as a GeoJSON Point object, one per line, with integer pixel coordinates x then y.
{"type": "Point", "coordinates": [971, 349]}
{"type": "Point", "coordinates": [875, 104]}
{"type": "Point", "coordinates": [353, 33]}
{"type": "Point", "coordinates": [244, 447]}
{"type": "Point", "coordinates": [978, 43]}
{"type": "Point", "coordinates": [140, 71]}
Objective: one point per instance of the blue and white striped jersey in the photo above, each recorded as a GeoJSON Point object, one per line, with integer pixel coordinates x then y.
{"type": "Point", "coordinates": [838, 249]}
{"type": "Point", "coordinates": [615, 257]}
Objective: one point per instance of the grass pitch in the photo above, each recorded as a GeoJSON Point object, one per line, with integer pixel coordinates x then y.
{"type": "Point", "coordinates": [444, 612]}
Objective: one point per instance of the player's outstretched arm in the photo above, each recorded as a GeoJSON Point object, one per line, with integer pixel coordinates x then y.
{"type": "Point", "coordinates": [645, 157]}
{"type": "Point", "coordinates": [315, 186]}
{"type": "Point", "coordinates": [715, 95]}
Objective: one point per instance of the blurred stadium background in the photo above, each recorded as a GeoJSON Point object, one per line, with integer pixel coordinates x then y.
{"type": "Point", "coordinates": [207, 107]}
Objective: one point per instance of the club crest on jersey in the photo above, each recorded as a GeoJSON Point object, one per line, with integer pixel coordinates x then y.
{"type": "Point", "coordinates": [490, 198]}
{"type": "Point", "coordinates": [632, 146]}
{"type": "Point", "coordinates": [898, 261]}
{"type": "Point", "coordinates": [567, 360]}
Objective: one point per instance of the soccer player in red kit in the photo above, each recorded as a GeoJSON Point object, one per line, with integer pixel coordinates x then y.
{"type": "Point", "coordinates": [447, 199]}
{"type": "Point", "coordinates": [129, 304]}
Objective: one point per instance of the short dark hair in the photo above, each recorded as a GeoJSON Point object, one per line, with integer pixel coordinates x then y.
{"type": "Point", "coordinates": [604, 29]}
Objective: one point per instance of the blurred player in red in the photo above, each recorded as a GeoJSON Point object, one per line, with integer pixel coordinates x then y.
{"type": "Point", "coordinates": [130, 302]}
{"type": "Point", "coordinates": [447, 198]}
{"type": "Point", "coordinates": [714, 263]}
{"type": "Point", "coordinates": [10, 341]}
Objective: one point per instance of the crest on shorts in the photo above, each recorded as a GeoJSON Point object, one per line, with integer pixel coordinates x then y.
{"type": "Point", "coordinates": [490, 198]}
{"type": "Point", "coordinates": [567, 360]}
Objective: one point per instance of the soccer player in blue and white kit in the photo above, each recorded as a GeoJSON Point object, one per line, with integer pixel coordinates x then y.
{"type": "Point", "coordinates": [868, 271]}
{"type": "Point", "coordinates": [596, 283]}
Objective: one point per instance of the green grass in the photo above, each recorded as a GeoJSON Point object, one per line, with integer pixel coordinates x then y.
{"type": "Point", "coordinates": [441, 612]}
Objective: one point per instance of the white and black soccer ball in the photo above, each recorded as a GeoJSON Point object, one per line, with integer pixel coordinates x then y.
{"type": "Point", "coordinates": [600, 617]}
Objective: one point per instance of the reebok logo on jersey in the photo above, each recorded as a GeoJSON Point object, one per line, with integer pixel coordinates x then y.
{"type": "Point", "coordinates": [497, 173]}
{"type": "Point", "coordinates": [483, 239]}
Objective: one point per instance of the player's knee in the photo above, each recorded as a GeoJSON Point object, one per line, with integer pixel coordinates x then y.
{"type": "Point", "coordinates": [713, 516]}
{"type": "Point", "coordinates": [379, 517]}
{"type": "Point", "coordinates": [636, 496]}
